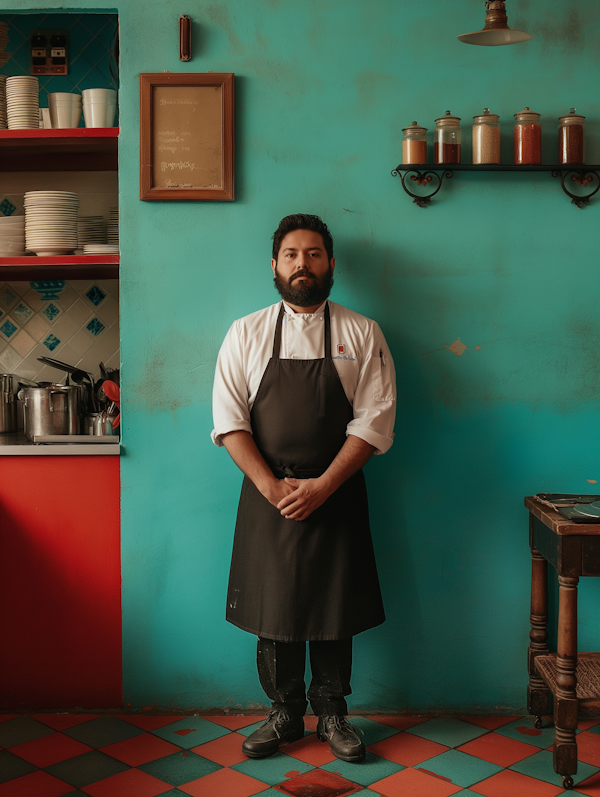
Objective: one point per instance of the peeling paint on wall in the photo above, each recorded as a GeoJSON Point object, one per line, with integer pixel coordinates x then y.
{"type": "Point", "coordinates": [458, 347]}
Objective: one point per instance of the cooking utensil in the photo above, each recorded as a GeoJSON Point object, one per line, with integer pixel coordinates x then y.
{"type": "Point", "coordinates": [8, 407]}
{"type": "Point", "coordinates": [99, 423]}
{"type": "Point", "coordinates": [113, 393]}
{"type": "Point", "coordinates": [70, 369]}
{"type": "Point", "coordinates": [50, 410]}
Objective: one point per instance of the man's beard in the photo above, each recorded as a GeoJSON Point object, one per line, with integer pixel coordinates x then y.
{"type": "Point", "coordinates": [304, 294]}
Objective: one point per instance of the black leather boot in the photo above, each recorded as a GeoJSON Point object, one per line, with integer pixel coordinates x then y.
{"type": "Point", "coordinates": [279, 729]}
{"type": "Point", "coordinates": [343, 738]}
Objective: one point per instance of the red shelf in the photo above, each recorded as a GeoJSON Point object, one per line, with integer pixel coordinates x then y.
{"type": "Point", "coordinates": [72, 149]}
{"type": "Point", "coordinates": [64, 267]}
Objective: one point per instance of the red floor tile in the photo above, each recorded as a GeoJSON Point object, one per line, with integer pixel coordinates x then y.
{"type": "Point", "coordinates": [498, 749]}
{"type": "Point", "coordinates": [512, 784]}
{"type": "Point", "coordinates": [133, 783]}
{"type": "Point", "coordinates": [491, 723]}
{"type": "Point", "coordinates": [50, 750]}
{"type": "Point", "coordinates": [310, 750]}
{"type": "Point", "coordinates": [406, 749]}
{"type": "Point", "coordinates": [224, 783]}
{"type": "Point", "coordinates": [6, 717]}
{"type": "Point", "coordinates": [148, 723]}
{"type": "Point", "coordinates": [140, 749]}
{"type": "Point", "coordinates": [37, 784]}
{"type": "Point", "coordinates": [319, 782]}
{"type": "Point", "coordinates": [226, 750]}
{"type": "Point", "coordinates": [234, 723]}
{"type": "Point", "coordinates": [310, 722]}
{"type": "Point", "coordinates": [583, 725]}
{"type": "Point", "coordinates": [61, 722]}
{"type": "Point", "coordinates": [399, 723]}
{"type": "Point", "coordinates": [411, 783]}
{"type": "Point", "coordinates": [591, 786]}
{"type": "Point", "coordinates": [588, 748]}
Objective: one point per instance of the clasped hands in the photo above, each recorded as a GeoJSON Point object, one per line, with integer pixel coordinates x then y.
{"type": "Point", "coordinates": [296, 499]}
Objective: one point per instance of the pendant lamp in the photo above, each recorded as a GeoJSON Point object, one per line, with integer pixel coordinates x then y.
{"type": "Point", "coordinates": [496, 31]}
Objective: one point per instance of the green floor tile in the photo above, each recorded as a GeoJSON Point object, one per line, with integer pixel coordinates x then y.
{"type": "Point", "coordinates": [274, 769]}
{"type": "Point", "coordinates": [103, 731]}
{"type": "Point", "coordinates": [368, 771]}
{"type": "Point", "coordinates": [22, 729]}
{"type": "Point", "coordinates": [190, 732]}
{"type": "Point", "coordinates": [374, 731]}
{"type": "Point", "coordinates": [11, 766]}
{"type": "Point", "coordinates": [462, 769]}
{"type": "Point", "coordinates": [447, 731]}
{"type": "Point", "coordinates": [540, 766]}
{"type": "Point", "coordinates": [87, 768]}
{"type": "Point", "coordinates": [178, 768]}
{"type": "Point", "coordinates": [523, 731]}
{"type": "Point", "coordinates": [255, 725]}
{"type": "Point", "coordinates": [177, 793]}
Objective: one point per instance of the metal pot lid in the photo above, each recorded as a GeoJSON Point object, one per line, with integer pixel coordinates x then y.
{"type": "Point", "coordinates": [447, 120]}
{"type": "Point", "coordinates": [527, 115]}
{"type": "Point", "coordinates": [415, 128]}
{"type": "Point", "coordinates": [486, 117]}
{"type": "Point", "coordinates": [568, 119]}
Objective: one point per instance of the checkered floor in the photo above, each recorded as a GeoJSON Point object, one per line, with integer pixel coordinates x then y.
{"type": "Point", "coordinates": [59, 755]}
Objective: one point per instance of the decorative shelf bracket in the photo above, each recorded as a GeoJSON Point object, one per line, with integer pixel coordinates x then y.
{"type": "Point", "coordinates": [582, 177]}
{"type": "Point", "coordinates": [422, 178]}
{"type": "Point", "coordinates": [431, 176]}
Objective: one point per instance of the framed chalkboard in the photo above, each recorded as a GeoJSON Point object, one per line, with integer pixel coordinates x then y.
{"type": "Point", "coordinates": [186, 136]}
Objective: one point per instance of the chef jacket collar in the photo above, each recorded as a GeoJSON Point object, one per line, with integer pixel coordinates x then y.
{"type": "Point", "coordinates": [319, 311]}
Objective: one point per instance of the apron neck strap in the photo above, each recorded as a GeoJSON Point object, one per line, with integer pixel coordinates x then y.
{"type": "Point", "coordinates": [278, 325]}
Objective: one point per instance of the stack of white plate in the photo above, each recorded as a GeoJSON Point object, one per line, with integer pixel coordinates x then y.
{"type": "Point", "coordinates": [112, 226]}
{"type": "Point", "coordinates": [51, 222]}
{"type": "Point", "coordinates": [90, 230]}
{"type": "Point", "coordinates": [12, 236]}
{"type": "Point", "coordinates": [101, 249]}
{"type": "Point", "coordinates": [3, 119]}
{"type": "Point", "coordinates": [22, 102]}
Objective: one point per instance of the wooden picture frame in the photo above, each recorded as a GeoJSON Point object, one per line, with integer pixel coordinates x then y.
{"type": "Point", "coordinates": [187, 136]}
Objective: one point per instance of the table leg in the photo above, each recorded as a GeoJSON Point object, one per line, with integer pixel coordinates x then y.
{"type": "Point", "coordinates": [565, 703]}
{"type": "Point", "coordinates": [538, 694]}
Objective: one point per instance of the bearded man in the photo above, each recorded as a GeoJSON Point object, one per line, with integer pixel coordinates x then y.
{"type": "Point", "coordinates": [304, 395]}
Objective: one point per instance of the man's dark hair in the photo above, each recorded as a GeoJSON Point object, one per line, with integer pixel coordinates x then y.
{"type": "Point", "coordinates": [302, 221]}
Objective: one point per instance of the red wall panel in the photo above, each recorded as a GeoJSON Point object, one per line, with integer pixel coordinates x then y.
{"type": "Point", "coordinates": [60, 583]}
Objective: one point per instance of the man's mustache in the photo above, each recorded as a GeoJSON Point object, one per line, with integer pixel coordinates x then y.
{"type": "Point", "coordinates": [301, 273]}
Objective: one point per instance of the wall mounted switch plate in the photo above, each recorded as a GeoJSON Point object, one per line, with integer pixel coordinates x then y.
{"type": "Point", "coordinates": [49, 52]}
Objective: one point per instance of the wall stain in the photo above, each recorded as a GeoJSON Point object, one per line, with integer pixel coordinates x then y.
{"type": "Point", "coordinates": [373, 88]}
{"type": "Point", "coordinates": [219, 14]}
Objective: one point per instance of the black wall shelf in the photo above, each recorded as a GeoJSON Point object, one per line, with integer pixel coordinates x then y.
{"type": "Point", "coordinates": [431, 176]}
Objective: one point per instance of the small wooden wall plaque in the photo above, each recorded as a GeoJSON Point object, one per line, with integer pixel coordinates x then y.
{"type": "Point", "coordinates": [186, 136]}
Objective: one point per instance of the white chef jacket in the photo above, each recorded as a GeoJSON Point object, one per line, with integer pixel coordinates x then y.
{"type": "Point", "coordinates": [360, 354]}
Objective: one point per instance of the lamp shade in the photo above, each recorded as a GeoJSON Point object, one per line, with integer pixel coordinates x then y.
{"type": "Point", "coordinates": [496, 31]}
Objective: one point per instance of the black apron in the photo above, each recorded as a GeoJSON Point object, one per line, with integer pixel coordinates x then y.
{"type": "Point", "coordinates": [314, 579]}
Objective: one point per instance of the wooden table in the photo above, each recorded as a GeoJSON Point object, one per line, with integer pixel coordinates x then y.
{"type": "Point", "coordinates": [572, 678]}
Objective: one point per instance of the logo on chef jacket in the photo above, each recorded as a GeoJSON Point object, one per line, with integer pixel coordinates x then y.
{"type": "Point", "coordinates": [341, 349]}
{"type": "Point", "coordinates": [341, 353]}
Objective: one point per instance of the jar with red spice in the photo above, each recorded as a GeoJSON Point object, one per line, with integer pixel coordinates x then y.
{"type": "Point", "coordinates": [571, 131]}
{"type": "Point", "coordinates": [446, 139]}
{"type": "Point", "coordinates": [528, 137]}
{"type": "Point", "coordinates": [414, 144]}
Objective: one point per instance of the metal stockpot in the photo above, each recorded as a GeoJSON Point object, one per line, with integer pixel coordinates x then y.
{"type": "Point", "coordinates": [50, 410]}
{"type": "Point", "coordinates": [8, 407]}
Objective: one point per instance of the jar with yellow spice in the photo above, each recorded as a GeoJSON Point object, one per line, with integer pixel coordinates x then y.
{"type": "Point", "coordinates": [486, 137]}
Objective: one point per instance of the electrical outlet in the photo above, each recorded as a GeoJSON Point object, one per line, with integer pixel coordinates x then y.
{"type": "Point", "coordinates": [49, 52]}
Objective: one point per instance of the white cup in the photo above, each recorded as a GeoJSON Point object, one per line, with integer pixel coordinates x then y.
{"type": "Point", "coordinates": [62, 116]}
{"type": "Point", "coordinates": [99, 114]}
{"type": "Point", "coordinates": [63, 96]}
{"type": "Point", "coordinates": [99, 94]}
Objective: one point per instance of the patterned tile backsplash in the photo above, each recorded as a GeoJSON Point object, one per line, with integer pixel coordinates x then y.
{"type": "Point", "coordinates": [75, 321]}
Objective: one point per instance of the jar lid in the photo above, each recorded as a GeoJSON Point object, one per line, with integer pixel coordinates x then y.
{"type": "Point", "coordinates": [447, 120]}
{"type": "Point", "coordinates": [527, 115]}
{"type": "Point", "coordinates": [414, 128]}
{"type": "Point", "coordinates": [486, 116]}
{"type": "Point", "coordinates": [572, 118]}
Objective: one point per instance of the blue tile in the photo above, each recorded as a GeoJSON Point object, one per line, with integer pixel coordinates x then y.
{"type": "Point", "coordinates": [51, 312]}
{"type": "Point", "coordinates": [368, 771]}
{"type": "Point", "coordinates": [373, 731]}
{"type": "Point", "coordinates": [95, 326]}
{"type": "Point", "coordinates": [541, 766]}
{"type": "Point", "coordinates": [22, 313]}
{"type": "Point", "coordinates": [8, 328]}
{"type": "Point", "coordinates": [6, 207]}
{"type": "Point", "coordinates": [272, 770]}
{"type": "Point", "coordinates": [199, 731]}
{"type": "Point", "coordinates": [87, 768]}
{"type": "Point", "coordinates": [447, 731]}
{"type": "Point", "coordinates": [523, 731]}
{"type": "Point", "coordinates": [11, 766]}
{"type": "Point", "coordinates": [460, 768]}
{"type": "Point", "coordinates": [102, 731]}
{"type": "Point", "coordinates": [51, 342]}
{"type": "Point", "coordinates": [7, 297]}
{"type": "Point", "coordinates": [95, 295]}
{"type": "Point", "coordinates": [595, 729]}
{"type": "Point", "coordinates": [48, 289]}
{"type": "Point", "coordinates": [179, 768]}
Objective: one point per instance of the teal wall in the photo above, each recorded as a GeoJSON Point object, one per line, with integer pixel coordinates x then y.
{"type": "Point", "coordinates": [504, 262]}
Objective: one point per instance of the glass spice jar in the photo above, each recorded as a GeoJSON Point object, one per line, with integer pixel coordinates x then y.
{"type": "Point", "coordinates": [528, 137]}
{"type": "Point", "coordinates": [414, 144]}
{"type": "Point", "coordinates": [571, 131]}
{"type": "Point", "coordinates": [486, 137]}
{"type": "Point", "coordinates": [446, 139]}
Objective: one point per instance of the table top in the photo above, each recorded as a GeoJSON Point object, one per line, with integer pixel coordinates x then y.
{"type": "Point", "coordinates": [557, 523]}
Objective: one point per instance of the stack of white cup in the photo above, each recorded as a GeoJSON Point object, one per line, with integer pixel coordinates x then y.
{"type": "Point", "coordinates": [99, 107]}
{"type": "Point", "coordinates": [65, 109]}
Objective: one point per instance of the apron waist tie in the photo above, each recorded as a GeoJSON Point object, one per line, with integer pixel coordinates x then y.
{"type": "Point", "coordinates": [283, 471]}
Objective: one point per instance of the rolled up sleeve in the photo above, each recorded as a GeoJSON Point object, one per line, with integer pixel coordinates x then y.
{"type": "Point", "coordinates": [230, 392]}
{"type": "Point", "coordinates": [374, 402]}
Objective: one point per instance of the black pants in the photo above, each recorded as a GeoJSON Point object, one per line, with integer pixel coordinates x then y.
{"type": "Point", "coordinates": [281, 671]}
